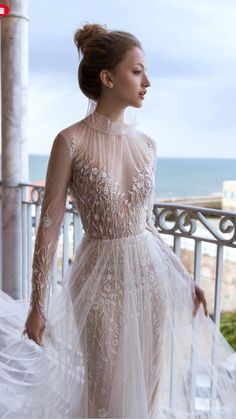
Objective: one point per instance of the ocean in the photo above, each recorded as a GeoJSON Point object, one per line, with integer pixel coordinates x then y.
{"type": "Point", "coordinates": [175, 177]}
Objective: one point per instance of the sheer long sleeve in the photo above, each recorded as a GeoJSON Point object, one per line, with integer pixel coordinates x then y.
{"type": "Point", "coordinates": [52, 211]}
{"type": "Point", "coordinates": [150, 216]}
{"type": "Point", "coordinates": [149, 212]}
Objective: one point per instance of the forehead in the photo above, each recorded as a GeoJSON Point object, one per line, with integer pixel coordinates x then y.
{"type": "Point", "coordinates": [134, 56]}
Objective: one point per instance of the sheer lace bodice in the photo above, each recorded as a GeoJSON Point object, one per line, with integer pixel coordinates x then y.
{"type": "Point", "coordinates": [108, 168]}
{"type": "Point", "coordinates": [112, 182]}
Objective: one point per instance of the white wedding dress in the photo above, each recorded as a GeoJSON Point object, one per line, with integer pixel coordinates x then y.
{"type": "Point", "coordinates": [120, 338]}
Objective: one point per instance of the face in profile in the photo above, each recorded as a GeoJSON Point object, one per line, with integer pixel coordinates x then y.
{"type": "Point", "coordinates": [130, 81]}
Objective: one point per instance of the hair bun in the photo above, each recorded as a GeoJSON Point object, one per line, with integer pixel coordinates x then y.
{"type": "Point", "coordinates": [88, 31]}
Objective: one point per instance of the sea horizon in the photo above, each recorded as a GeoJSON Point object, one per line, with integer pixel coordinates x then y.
{"type": "Point", "coordinates": [175, 176]}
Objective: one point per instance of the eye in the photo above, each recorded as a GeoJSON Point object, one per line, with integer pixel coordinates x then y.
{"type": "Point", "coordinates": [137, 71]}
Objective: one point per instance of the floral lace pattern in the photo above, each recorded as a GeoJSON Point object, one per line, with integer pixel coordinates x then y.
{"type": "Point", "coordinates": [72, 147]}
{"type": "Point", "coordinates": [109, 213]}
{"type": "Point", "coordinates": [107, 324]}
{"type": "Point", "coordinates": [43, 260]}
{"type": "Point", "coordinates": [41, 268]}
{"type": "Point", "coordinates": [48, 229]}
{"type": "Point", "coordinates": [105, 211]}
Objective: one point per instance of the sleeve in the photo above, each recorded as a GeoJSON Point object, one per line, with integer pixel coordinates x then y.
{"type": "Point", "coordinates": [149, 212]}
{"type": "Point", "coordinates": [171, 257]}
{"type": "Point", "coordinates": [52, 211]}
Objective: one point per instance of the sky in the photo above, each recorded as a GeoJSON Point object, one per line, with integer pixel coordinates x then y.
{"type": "Point", "coordinates": [190, 52]}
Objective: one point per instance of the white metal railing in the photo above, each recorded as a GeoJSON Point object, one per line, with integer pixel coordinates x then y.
{"type": "Point", "coordinates": [181, 226]}
{"type": "Point", "coordinates": [183, 223]}
{"type": "Point", "coordinates": [188, 224]}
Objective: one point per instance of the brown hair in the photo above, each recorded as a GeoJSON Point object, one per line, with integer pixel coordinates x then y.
{"type": "Point", "coordinates": [101, 49]}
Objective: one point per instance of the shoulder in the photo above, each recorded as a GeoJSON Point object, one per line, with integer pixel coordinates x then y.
{"type": "Point", "coordinates": [70, 130]}
{"type": "Point", "coordinates": [69, 136]}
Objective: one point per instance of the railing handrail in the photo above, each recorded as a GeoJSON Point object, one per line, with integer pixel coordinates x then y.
{"type": "Point", "coordinates": [204, 210]}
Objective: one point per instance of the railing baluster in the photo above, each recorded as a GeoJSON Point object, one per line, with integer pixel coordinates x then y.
{"type": "Point", "coordinates": [177, 250]}
{"type": "Point", "coordinates": [23, 288]}
{"type": "Point", "coordinates": [218, 284]}
{"type": "Point", "coordinates": [29, 248]}
{"type": "Point", "coordinates": [216, 318]}
{"type": "Point", "coordinates": [197, 272]}
{"type": "Point", "coordinates": [37, 216]}
{"type": "Point", "coordinates": [77, 231]}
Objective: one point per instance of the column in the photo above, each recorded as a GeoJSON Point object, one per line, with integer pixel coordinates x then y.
{"type": "Point", "coordinates": [14, 81]}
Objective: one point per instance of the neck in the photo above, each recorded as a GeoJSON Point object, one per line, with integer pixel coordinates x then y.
{"type": "Point", "coordinates": [115, 115]}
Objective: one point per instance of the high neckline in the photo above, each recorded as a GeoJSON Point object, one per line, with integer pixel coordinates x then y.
{"type": "Point", "coordinates": [104, 124]}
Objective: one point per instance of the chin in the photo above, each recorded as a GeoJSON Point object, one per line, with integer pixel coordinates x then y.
{"type": "Point", "coordinates": [137, 104]}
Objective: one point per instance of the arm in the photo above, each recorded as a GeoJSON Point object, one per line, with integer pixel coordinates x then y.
{"type": "Point", "coordinates": [48, 232]}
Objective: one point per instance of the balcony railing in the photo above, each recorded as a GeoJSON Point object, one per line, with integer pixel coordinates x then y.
{"type": "Point", "coordinates": [204, 231]}
{"type": "Point", "coordinates": [198, 231]}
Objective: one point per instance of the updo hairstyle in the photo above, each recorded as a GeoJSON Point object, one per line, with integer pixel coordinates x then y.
{"type": "Point", "coordinates": [102, 50]}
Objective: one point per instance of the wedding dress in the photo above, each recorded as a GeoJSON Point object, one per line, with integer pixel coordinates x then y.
{"type": "Point", "coordinates": [120, 338]}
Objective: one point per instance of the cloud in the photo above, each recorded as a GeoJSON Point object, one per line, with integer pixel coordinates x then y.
{"type": "Point", "coordinates": [191, 56]}
{"type": "Point", "coordinates": [53, 104]}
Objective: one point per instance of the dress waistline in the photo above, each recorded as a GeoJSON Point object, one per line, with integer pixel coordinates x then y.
{"type": "Point", "coordinates": [89, 237]}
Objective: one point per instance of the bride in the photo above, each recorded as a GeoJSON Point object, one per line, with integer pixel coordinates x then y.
{"type": "Point", "coordinates": [128, 334]}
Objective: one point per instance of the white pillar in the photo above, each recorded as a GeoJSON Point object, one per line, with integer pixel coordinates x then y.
{"type": "Point", "coordinates": [14, 80]}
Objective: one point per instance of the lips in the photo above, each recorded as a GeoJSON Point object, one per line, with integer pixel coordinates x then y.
{"type": "Point", "coordinates": [142, 93]}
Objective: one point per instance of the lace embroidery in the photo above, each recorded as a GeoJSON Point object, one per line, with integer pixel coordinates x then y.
{"type": "Point", "coordinates": [171, 257]}
{"type": "Point", "coordinates": [73, 147]}
{"type": "Point", "coordinates": [102, 413]}
{"type": "Point", "coordinates": [106, 323]}
{"type": "Point", "coordinates": [41, 268]}
{"type": "Point", "coordinates": [46, 221]}
{"type": "Point", "coordinates": [42, 262]}
{"type": "Point", "coordinates": [106, 211]}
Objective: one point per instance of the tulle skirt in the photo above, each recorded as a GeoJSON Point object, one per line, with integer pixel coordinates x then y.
{"type": "Point", "coordinates": [120, 342]}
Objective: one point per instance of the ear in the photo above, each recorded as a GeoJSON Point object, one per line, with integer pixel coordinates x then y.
{"type": "Point", "coordinates": [105, 77]}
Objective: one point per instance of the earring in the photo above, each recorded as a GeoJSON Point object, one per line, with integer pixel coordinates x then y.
{"type": "Point", "coordinates": [111, 84]}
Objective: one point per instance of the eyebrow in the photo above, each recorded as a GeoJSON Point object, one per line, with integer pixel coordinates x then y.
{"type": "Point", "coordinates": [141, 65]}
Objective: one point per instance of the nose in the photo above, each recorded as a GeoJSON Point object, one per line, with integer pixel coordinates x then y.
{"type": "Point", "coordinates": [146, 82]}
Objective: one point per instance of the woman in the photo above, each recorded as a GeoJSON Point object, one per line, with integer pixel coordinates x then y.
{"type": "Point", "coordinates": [120, 338]}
